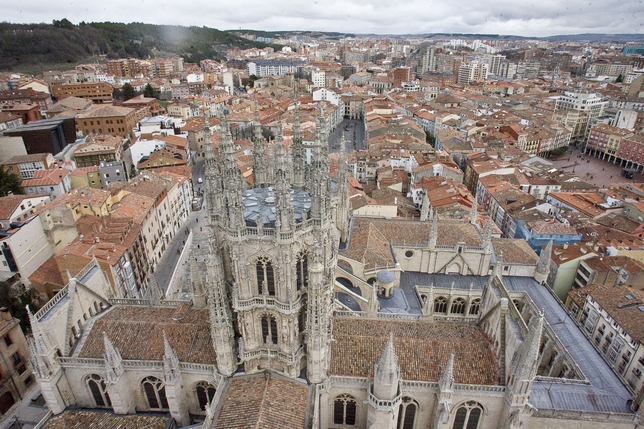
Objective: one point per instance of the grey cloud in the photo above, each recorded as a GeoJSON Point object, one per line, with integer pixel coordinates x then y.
{"type": "Point", "coordinates": [527, 18]}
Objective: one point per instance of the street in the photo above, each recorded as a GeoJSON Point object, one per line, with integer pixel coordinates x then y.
{"type": "Point", "coordinates": [177, 249]}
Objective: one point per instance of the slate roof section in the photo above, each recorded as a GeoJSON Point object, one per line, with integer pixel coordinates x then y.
{"type": "Point", "coordinates": [263, 401]}
{"type": "Point", "coordinates": [137, 333]}
{"type": "Point", "coordinates": [104, 420]}
{"type": "Point", "coordinates": [423, 349]}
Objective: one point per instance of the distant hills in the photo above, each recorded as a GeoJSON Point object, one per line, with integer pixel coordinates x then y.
{"type": "Point", "coordinates": [33, 47]}
{"type": "Point", "coordinates": [570, 37]}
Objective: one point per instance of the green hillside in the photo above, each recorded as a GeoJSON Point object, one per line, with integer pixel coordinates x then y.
{"type": "Point", "coordinates": [26, 46]}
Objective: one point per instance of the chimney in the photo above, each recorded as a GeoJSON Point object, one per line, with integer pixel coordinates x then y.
{"type": "Point", "coordinates": [565, 246]}
{"type": "Point", "coordinates": [5, 314]}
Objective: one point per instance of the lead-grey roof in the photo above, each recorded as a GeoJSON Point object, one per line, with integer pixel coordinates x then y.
{"type": "Point", "coordinates": [261, 201]}
{"type": "Point", "coordinates": [605, 391]}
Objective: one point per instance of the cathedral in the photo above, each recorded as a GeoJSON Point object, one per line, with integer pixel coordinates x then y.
{"type": "Point", "coordinates": [302, 316]}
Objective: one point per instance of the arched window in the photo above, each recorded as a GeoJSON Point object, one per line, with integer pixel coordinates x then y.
{"type": "Point", "coordinates": [265, 276]}
{"type": "Point", "coordinates": [468, 416]}
{"type": "Point", "coordinates": [205, 393]}
{"type": "Point", "coordinates": [475, 306]}
{"type": "Point", "coordinates": [407, 413]}
{"type": "Point", "coordinates": [301, 271]}
{"type": "Point", "coordinates": [155, 393]}
{"type": "Point", "coordinates": [269, 329]}
{"type": "Point", "coordinates": [344, 410]}
{"type": "Point", "coordinates": [458, 306]}
{"type": "Point", "coordinates": [98, 388]}
{"type": "Point", "coordinates": [440, 305]}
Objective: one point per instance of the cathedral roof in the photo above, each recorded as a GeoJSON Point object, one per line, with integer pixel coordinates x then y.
{"type": "Point", "coordinates": [423, 349]}
{"type": "Point", "coordinates": [371, 238]}
{"type": "Point", "coordinates": [263, 401]}
{"type": "Point", "coordinates": [104, 420]}
{"type": "Point", "coordinates": [137, 333]}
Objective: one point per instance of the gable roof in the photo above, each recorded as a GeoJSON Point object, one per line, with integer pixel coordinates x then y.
{"type": "Point", "coordinates": [423, 349]}
{"type": "Point", "coordinates": [263, 401]}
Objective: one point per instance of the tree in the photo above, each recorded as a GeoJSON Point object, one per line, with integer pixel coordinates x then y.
{"type": "Point", "coordinates": [430, 138]}
{"type": "Point", "coordinates": [9, 182]}
{"type": "Point", "coordinates": [128, 92]}
{"type": "Point", "coordinates": [148, 91]}
{"type": "Point", "coordinates": [251, 80]}
{"type": "Point", "coordinates": [15, 298]}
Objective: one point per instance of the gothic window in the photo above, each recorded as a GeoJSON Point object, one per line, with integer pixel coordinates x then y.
{"type": "Point", "coordinates": [98, 388]}
{"type": "Point", "coordinates": [205, 393]}
{"type": "Point", "coordinates": [468, 416]}
{"type": "Point", "coordinates": [265, 275]}
{"type": "Point", "coordinates": [458, 306]}
{"type": "Point", "coordinates": [155, 393]}
{"type": "Point", "coordinates": [301, 319]}
{"type": "Point", "coordinates": [269, 329]}
{"type": "Point", "coordinates": [440, 305]}
{"type": "Point", "coordinates": [344, 410]}
{"type": "Point", "coordinates": [301, 268]}
{"type": "Point", "coordinates": [475, 306]}
{"type": "Point", "coordinates": [518, 304]}
{"type": "Point", "coordinates": [407, 413]}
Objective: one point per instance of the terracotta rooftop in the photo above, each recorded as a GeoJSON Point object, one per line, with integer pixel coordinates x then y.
{"type": "Point", "coordinates": [263, 401]}
{"type": "Point", "coordinates": [624, 304]}
{"type": "Point", "coordinates": [515, 251]}
{"type": "Point", "coordinates": [104, 420]}
{"type": "Point", "coordinates": [371, 238]}
{"type": "Point", "coordinates": [187, 329]}
{"type": "Point", "coordinates": [423, 349]}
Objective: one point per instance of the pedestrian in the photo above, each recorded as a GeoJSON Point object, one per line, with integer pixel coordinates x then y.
{"type": "Point", "coordinates": [197, 220]}
{"type": "Point", "coordinates": [184, 242]}
{"type": "Point", "coordinates": [201, 228]}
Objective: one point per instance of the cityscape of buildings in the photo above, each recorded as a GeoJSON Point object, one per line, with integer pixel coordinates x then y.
{"type": "Point", "coordinates": [350, 232]}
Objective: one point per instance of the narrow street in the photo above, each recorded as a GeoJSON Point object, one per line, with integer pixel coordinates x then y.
{"type": "Point", "coordinates": [177, 249]}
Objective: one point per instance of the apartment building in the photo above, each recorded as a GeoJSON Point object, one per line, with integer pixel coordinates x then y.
{"type": "Point", "coordinates": [98, 92]}
{"type": "Point", "coordinates": [16, 377]}
{"type": "Point", "coordinates": [576, 110]}
{"type": "Point", "coordinates": [113, 120]}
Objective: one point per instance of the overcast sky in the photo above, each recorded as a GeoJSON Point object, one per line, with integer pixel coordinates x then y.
{"type": "Point", "coordinates": [511, 17]}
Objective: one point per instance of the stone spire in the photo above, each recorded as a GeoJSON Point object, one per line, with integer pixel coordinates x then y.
{"type": "Point", "coordinates": [387, 373]}
{"type": "Point", "coordinates": [280, 152]}
{"type": "Point", "coordinates": [113, 360]}
{"type": "Point", "coordinates": [498, 267]}
{"type": "Point", "coordinates": [446, 382]}
{"type": "Point", "coordinates": [154, 293]}
{"type": "Point", "coordinates": [40, 367]}
{"type": "Point", "coordinates": [474, 211]}
{"type": "Point", "coordinates": [445, 388]}
{"type": "Point", "coordinates": [424, 208]}
{"type": "Point", "coordinates": [344, 206]}
{"type": "Point", "coordinates": [170, 362]}
{"type": "Point", "coordinates": [259, 152]}
{"type": "Point", "coordinates": [374, 304]}
{"type": "Point", "coordinates": [213, 185]}
{"type": "Point", "coordinates": [318, 321]}
{"type": "Point", "coordinates": [197, 285]}
{"type": "Point", "coordinates": [487, 236]}
{"type": "Point", "coordinates": [231, 177]}
{"type": "Point", "coordinates": [221, 329]}
{"type": "Point", "coordinates": [298, 153]}
{"type": "Point", "coordinates": [525, 367]}
{"type": "Point", "coordinates": [522, 371]}
{"type": "Point", "coordinates": [43, 342]}
{"type": "Point", "coordinates": [544, 259]}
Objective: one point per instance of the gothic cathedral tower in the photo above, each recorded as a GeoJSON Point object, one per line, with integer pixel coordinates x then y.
{"type": "Point", "coordinates": [278, 248]}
